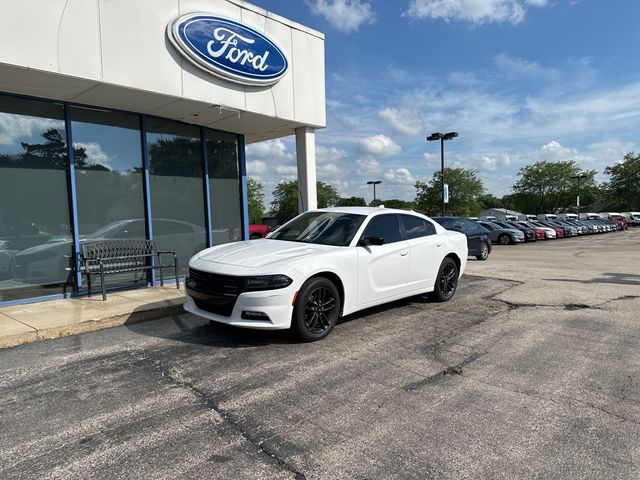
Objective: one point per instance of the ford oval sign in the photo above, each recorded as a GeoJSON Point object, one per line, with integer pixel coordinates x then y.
{"type": "Point", "coordinates": [228, 49]}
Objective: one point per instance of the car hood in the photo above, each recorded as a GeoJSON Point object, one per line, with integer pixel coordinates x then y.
{"type": "Point", "coordinates": [262, 253]}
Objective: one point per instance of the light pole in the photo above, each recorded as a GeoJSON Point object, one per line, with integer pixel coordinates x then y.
{"type": "Point", "coordinates": [578, 177]}
{"type": "Point", "coordinates": [442, 137]}
{"type": "Point", "coordinates": [374, 183]}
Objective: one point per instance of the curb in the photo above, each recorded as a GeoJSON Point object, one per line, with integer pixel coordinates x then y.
{"type": "Point", "coordinates": [91, 325]}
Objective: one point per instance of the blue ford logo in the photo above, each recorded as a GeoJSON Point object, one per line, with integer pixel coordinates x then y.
{"type": "Point", "coordinates": [228, 49]}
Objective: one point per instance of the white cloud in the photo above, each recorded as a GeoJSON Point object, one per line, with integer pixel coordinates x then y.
{"type": "Point", "coordinates": [399, 176]}
{"type": "Point", "coordinates": [494, 162]}
{"type": "Point", "coordinates": [518, 67]}
{"type": "Point", "coordinates": [330, 154]}
{"type": "Point", "coordinates": [344, 15]}
{"type": "Point", "coordinates": [95, 154]}
{"type": "Point", "coordinates": [269, 150]}
{"type": "Point", "coordinates": [473, 11]}
{"type": "Point", "coordinates": [431, 158]}
{"type": "Point", "coordinates": [256, 168]}
{"type": "Point", "coordinates": [406, 121]}
{"type": "Point", "coordinates": [368, 166]}
{"type": "Point", "coordinates": [378, 145]}
{"type": "Point", "coordinates": [290, 172]}
{"type": "Point", "coordinates": [15, 128]}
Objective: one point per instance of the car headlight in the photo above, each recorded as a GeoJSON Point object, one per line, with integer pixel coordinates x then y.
{"type": "Point", "coordinates": [267, 282]}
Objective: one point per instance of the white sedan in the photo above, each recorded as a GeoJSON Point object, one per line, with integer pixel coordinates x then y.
{"type": "Point", "coordinates": [324, 264]}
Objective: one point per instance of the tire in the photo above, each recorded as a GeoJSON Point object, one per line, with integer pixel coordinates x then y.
{"type": "Point", "coordinates": [484, 251]}
{"type": "Point", "coordinates": [255, 236]}
{"type": "Point", "coordinates": [316, 310]}
{"type": "Point", "coordinates": [446, 281]}
{"type": "Point", "coordinates": [504, 239]}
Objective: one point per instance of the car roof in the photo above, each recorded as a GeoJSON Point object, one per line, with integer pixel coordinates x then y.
{"type": "Point", "coordinates": [367, 210]}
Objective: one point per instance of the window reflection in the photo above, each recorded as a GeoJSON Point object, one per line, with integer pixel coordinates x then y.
{"type": "Point", "coordinates": [176, 184]}
{"type": "Point", "coordinates": [224, 186]}
{"type": "Point", "coordinates": [34, 207]}
{"type": "Point", "coordinates": [108, 169]}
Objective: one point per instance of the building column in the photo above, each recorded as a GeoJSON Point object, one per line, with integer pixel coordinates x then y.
{"type": "Point", "coordinates": [306, 156]}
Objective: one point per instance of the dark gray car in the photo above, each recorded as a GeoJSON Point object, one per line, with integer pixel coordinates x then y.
{"type": "Point", "coordinates": [503, 236]}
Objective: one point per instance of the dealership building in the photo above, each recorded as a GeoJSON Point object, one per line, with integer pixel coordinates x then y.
{"type": "Point", "coordinates": [126, 119]}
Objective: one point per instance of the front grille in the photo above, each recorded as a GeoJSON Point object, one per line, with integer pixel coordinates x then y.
{"type": "Point", "coordinates": [213, 292]}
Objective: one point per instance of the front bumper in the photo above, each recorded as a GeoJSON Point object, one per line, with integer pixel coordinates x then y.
{"type": "Point", "coordinates": [275, 304]}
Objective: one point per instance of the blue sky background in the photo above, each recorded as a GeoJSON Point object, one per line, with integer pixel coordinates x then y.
{"type": "Point", "coordinates": [520, 80]}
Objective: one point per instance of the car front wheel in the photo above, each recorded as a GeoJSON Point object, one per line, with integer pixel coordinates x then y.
{"type": "Point", "coordinates": [447, 281]}
{"type": "Point", "coordinates": [484, 251]}
{"type": "Point", "coordinates": [316, 310]}
{"type": "Point", "coordinates": [504, 239]}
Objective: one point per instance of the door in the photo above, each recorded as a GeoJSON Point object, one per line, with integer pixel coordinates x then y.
{"type": "Point", "coordinates": [382, 269]}
{"type": "Point", "coordinates": [426, 249]}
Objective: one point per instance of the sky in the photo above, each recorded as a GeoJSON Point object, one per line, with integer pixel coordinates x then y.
{"type": "Point", "coordinates": [520, 81]}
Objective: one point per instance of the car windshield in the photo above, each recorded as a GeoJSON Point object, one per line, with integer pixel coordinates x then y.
{"type": "Point", "coordinates": [326, 228]}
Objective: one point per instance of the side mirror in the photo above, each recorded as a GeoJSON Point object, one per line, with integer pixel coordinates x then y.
{"type": "Point", "coordinates": [366, 241]}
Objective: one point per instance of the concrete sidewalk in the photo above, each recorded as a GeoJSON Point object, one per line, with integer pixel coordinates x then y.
{"type": "Point", "coordinates": [45, 320]}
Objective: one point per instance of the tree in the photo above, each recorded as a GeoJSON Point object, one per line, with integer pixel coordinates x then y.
{"type": "Point", "coordinates": [255, 192]}
{"type": "Point", "coordinates": [465, 187]}
{"type": "Point", "coordinates": [490, 201]}
{"type": "Point", "coordinates": [285, 199]}
{"type": "Point", "coordinates": [351, 202]}
{"type": "Point", "coordinates": [622, 192]}
{"type": "Point", "coordinates": [547, 187]}
{"type": "Point", "coordinates": [393, 203]}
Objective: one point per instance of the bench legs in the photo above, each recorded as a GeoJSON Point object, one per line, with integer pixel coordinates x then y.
{"type": "Point", "coordinates": [104, 290]}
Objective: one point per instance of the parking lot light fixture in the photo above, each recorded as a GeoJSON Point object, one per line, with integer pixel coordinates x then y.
{"type": "Point", "coordinates": [374, 183]}
{"type": "Point", "coordinates": [578, 177]}
{"type": "Point", "coordinates": [442, 137]}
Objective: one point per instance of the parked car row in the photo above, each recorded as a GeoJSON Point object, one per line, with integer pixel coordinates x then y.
{"type": "Point", "coordinates": [548, 227]}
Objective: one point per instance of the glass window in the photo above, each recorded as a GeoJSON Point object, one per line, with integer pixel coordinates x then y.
{"type": "Point", "coordinates": [35, 233]}
{"type": "Point", "coordinates": [176, 185]}
{"type": "Point", "coordinates": [385, 226]}
{"type": "Point", "coordinates": [326, 228]}
{"type": "Point", "coordinates": [224, 186]}
{"type": "Point", "coordinates": [416, 227]}
{"type": "Point", "coordinates": [108, 164]}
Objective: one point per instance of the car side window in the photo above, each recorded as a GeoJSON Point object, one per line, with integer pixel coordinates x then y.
{"type": "Point", "coordinates": [416, 227]}
{"type": "Point", "coordinates": [458, 224]}
{"type": "Point", "coordinates": [471, 226]}
{"type": "Point", "coordinates": [385, 226]}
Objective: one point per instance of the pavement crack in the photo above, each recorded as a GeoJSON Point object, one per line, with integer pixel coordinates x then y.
{"type": "Point", "coordinates": [230, 419]}
{"type": "Point", "coordinates": [448, 371]}
{"type": "Point", "coordinates": [556, 401]}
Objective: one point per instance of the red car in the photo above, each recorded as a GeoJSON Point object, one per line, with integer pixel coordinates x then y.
{"type": "Point", "coordinates": [258, 231]}
{"type": "Point", "coordinates": [621, 221]}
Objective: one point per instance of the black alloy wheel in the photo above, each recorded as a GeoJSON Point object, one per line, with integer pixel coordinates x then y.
{"type": "Point", "coordinates": [504, 239]}
{"type": "Point", "coordinates": [447, 281]}
{"type": "Point", "coordinates": [316, 310]}
{"type": "Point", "coordinates": [484, 251]}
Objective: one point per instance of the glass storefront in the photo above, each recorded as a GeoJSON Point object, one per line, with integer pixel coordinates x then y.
{"type": "Point", "coordinates": [176, 185]}
{"type": "Point", "coordinates": [224, 186]}
{"type": "Point", "coordinates": [35, 246]}
{"type": "Point", "coordinates": [36, 230]}
{"type": "Point", "coordinates": [108, 172]}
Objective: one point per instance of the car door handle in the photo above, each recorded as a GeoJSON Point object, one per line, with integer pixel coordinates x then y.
{"type": "Point", "coordinates": [438, 244]}
{"type": "Point", "coordinates": [404, 253]}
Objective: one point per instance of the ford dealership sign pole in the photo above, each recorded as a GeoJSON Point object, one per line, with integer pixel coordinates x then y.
{"type": "Point", "coordinates": [228, 49]}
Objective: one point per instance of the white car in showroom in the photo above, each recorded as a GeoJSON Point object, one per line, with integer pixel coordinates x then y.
{"type": "Point", "coordinates": [324, 264]}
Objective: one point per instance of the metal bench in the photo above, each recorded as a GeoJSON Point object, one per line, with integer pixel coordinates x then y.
{"type": "Point", "coordinates": [102, 257]}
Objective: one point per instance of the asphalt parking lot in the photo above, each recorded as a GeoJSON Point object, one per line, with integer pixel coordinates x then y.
{"type": "Point", "coordinates": [531, 371]}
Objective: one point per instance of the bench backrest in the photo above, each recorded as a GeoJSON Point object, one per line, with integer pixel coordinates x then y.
{"type": "Point", "coordinates": [111, 252]}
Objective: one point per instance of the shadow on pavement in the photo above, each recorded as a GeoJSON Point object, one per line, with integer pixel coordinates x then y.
{"type": "Point", "coordinates": [185, 327]}
{"type": "Point", "coordinates": [615, 278]}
